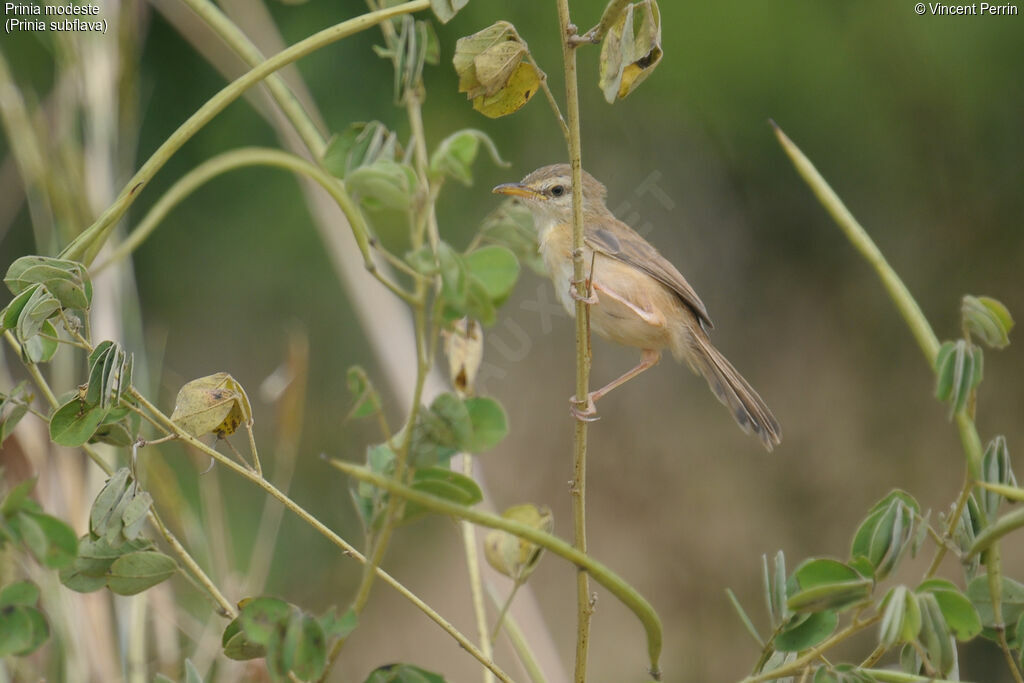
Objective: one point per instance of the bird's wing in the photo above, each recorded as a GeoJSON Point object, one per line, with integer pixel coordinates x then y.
{"type": "Point", "coordinates": [617, 240]}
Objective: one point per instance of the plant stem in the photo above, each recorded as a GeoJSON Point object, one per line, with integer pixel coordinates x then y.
{"type": "Point", "coordinates": [251, 55]}
{"type": "Point", "coordinates": [476, 588]}
{"type": "Point", "coordinates": [519, 642]}
{"type": "Point", "coordinates": [504, 607]}
{"type": "Point", "coordinates": [625, 593]}
{"type": "Point", "coordinates": [85, 247]}
{"type": "Point", "coordinates": [255, 156]}
{"type": "Point", "coordinates": [584, 606]}
{"type": "Point", "coordinates": [322, 529]}
{"type": "Point", "coordinates": [799, 663]}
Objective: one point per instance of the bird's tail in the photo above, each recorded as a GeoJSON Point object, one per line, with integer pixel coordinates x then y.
{"type": "Point", "coordinates": [746, 406]}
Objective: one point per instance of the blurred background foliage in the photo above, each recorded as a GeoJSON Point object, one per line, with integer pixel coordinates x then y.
{"type": "Point", "coordinates": [916, 122]}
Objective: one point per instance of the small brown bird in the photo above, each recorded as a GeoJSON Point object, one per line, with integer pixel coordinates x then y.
{"type": "Point", "coordinates": [638, 298]}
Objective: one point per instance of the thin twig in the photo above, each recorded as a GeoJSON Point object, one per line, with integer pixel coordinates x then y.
{"type": "Point", "coordinates": [584, 608]}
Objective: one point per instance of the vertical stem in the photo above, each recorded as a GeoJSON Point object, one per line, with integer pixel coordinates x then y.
{"type": "Point", "coordinates": [584, 608]}
{"type": "Point", "coordinates": [475, 583]}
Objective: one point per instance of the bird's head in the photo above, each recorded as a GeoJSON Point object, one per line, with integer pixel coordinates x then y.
{"type": "Point", "coordinates": [548, 192]}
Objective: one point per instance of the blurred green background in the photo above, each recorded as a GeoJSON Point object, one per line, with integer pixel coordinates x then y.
{"type": "Point", "coordinates": [918, 123]}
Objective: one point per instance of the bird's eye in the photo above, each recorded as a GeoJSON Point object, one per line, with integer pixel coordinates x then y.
{"type": "Point", "coordinates": [557, 191]}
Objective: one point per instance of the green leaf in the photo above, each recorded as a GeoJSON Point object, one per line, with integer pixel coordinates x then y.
{"type": "Point", "coordinates": [75, 422]}
{"type": "Point", "coordinates": [40, 307]}
{"type": "Point", "coordinates": [446, 9]}
{"type": "Point", "coordinates": [806, 630]}
{"type": "Point", "coordinates": [886, 532]}
{"type": "Point", "coordinates": [988, 320]}
{"type": "Point", "coordinates": [110, 374]}
{"type": "Point", "coordinates": [959, 613]}
{"type": "Point", "coordinates": [135, 572]}
{"type": "Point", "coordinates": [443, 483]}
{"type": "Point", "coordinates": [511, 226]}
{"type": "Point", "coordinates": [95, 557]}
{"type": "Point", "coordinates": [22, 630]}
{"type": "Point", "coordinates": [457, 425]}
{"type": "Point", "coordinates": [336, 626]}
{"type": "Point", "coordinates": [12, 311]}
{"type": "Point", "coordinates": [19, 593]}
{"type": "Point", "coordinates": [631, 50]}
{"type": "Point", "coordinates": [935, 637]}
{"type": "Point", "coordinates": [68, 281]}
{"type": "Point", "coordinates": [453, 276]}
{"type": "Point", "coordinates": [191, 673]}
{"type": "Point", "coordinates": [265, 619]}
{"type": "Point", "coordinates": [42, 347]}
{"type": "Point", "coordinates": [13, 406]}
{"type": "Point", "coordinates": [1012, 604]}
{"type": "Point", "coordinates": [775, 589]}
{"type": "Point", "coordinates": [822, 584]}
{"type": "Point", "coordinates": [17, 497]}
{"type": "Point", "coordinates": [61, 544]}
{"type": "Point", "coordinates": [114, 433]}
{"type": "Point", "coordinates": [358, 145]}
{"type": "Point", "coordinates": [490, 425]}
{"type": "Point", "coordinates": [995, 469]}
{"type": "Point", "coordinates": [310, 655]}
{"type": "Point", "coordinates": [367, 401]}
{"type": "Point", "coordinates": [384, 184]}
{"type": "Point", "coordinates": [403, 673]}
{"type": "Point", "coordinates": [236, 646]}
{"type": "Point", "coordinates": [901, 617]}
{"type": "Point", "coordinates": [958, 370]}
{"type": "Point", "coordinates": [457, 152]}
{"type": "Point", "coordinates": [479, 304]}
{"type": "Point", "coordinates": [496, 268]}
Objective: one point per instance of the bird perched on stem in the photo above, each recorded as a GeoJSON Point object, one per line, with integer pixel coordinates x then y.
{"type": "Point", "coordinates": [637, 298]}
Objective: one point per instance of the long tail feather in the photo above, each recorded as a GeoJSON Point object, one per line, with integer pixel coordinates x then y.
{"type": "Point", "coordinates": [747, 407]}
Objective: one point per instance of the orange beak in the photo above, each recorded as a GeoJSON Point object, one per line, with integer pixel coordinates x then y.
{"type": "Point", "coordinates": [517, 190]}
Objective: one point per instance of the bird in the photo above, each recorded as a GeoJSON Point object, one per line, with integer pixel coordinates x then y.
{"type": "Point", "coordinates": [637, 297]}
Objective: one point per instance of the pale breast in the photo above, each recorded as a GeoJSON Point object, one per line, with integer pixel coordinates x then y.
{"type": "Point", "coordinates": [556, 249]}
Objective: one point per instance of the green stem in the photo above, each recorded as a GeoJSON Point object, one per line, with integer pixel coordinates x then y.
{"type": "Point", "coordinates": [519, 642]}
{"type": "Point", "coordinates": [584, 606]}
{"type": "Point", "coordinates": [625, 593]}
{"type": "Point", "coordinates": [322, 529]}
{"type": "Point", "coordinates": [794, 667]}
{"type": "Point", "coordinates": [251, 55]}
{"type": "Point", "coordinates": [504, 606]}
{"type": "Point", "coordinates": [476, 589]}
{"type": "Point", "coordinates": [890, 676]}
{"type": "Point", "coordinates": [254, 156]}
{"type": "Point", "coordinates": [85, 247]}
{"type": "Point", "coordinates": [1002, 526]}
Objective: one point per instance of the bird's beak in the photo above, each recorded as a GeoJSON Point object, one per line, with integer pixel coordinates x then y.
{"type": "Point", "coordinates": [516, 190]}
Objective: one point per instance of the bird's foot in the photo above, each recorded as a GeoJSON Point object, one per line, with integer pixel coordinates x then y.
{"type": "Point", "coordinates": [590, 299]}
{"type": "Point", "coordinates": [588, 414]}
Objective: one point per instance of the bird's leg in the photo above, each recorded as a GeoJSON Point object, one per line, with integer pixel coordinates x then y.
{"type": "Point", "coordinates": [649, 358]}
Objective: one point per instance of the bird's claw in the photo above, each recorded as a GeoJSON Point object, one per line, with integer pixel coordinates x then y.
{"type": "Point", "coordinates": [588, 414]}
{"type": "Point", "coordinates": [590, 299]}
